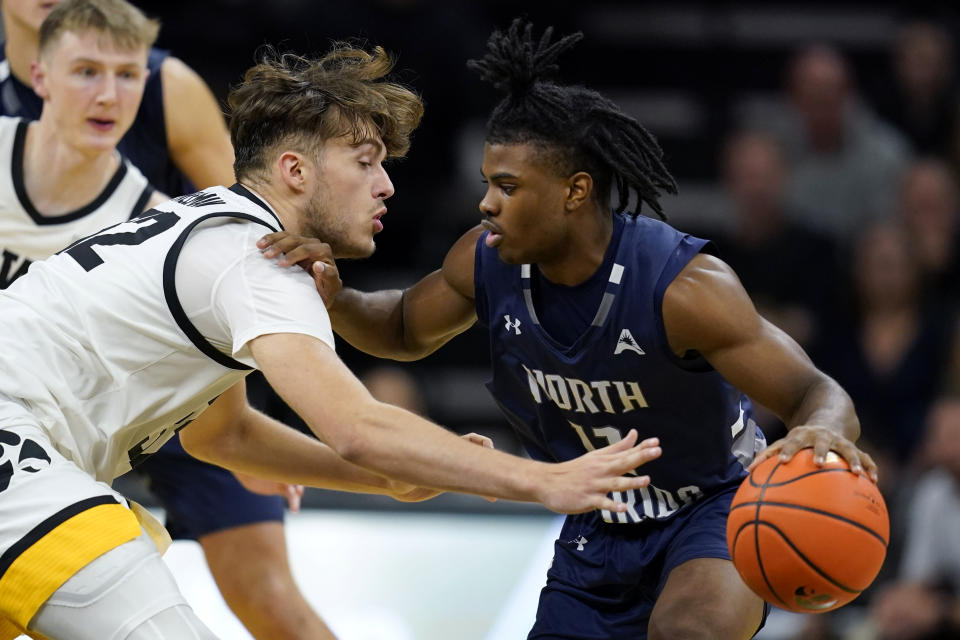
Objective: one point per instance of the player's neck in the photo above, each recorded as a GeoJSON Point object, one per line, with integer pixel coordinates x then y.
{"type": "Point", "coordinates": [582, 253]}
{"type": "Point", "coordinates": [78, 176]}
{"type": "Point", "coordinates": [285, 211]}
{"type": "Point", "coordinates": [21, 47]}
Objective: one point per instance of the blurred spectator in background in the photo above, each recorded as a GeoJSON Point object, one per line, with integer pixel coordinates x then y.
{"type": "Point", "coordinates": [928, 209]}
{"type": "Point", "coordinates": [890, 351]}
{"type": "Point", "coordinates": [920, 96]}
{"type": "Point", "coordinates": [396, 386]}
{"type": "Point", "coordinates": [843, 161]}
{"type": "Point", "coordinates": [788, 268]}
{"type": "Point", "coordinates": [923, 603]}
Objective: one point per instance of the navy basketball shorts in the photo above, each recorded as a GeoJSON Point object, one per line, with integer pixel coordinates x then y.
{"type": "Point", "coordinates": [605, 578]}
{"type": "Point", "coordinates": [201, 498]}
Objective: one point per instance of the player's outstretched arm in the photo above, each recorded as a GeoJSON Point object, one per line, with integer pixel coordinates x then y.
{"type": "Point", "coordinates": [396, 443]}
{"type": "Point", "coordinates": [234, 435]}
{"type": "Point", "coordinates": [706, 309]}
{"type": "Point", "coordinates": [197, 135]}
{"type": "Point", "coordinates": [402, 324]}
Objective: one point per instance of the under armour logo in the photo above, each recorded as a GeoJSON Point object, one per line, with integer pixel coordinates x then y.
{"type": "Point", "coordinates": [512, 324]}
{"type": "Point", "coordinates": [579, 541]}
{"type": "Point", "coordinates": [626, 342]}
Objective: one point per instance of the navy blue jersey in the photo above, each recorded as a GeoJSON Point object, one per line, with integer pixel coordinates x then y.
{"type": "Point", "coordinates": [620, 374]}
{"type": "Point", "coordinates": [145, 144]}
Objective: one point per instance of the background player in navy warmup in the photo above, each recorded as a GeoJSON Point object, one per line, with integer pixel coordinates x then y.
{"type": "Point", "coordinates": [179, 140]}
{"type": "Point", "coordinates": [600, 323]}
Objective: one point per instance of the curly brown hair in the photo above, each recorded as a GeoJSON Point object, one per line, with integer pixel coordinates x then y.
{"type": "Point", "coordinates": [301, 103]}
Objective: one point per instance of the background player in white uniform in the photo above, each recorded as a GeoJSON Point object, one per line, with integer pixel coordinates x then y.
{"type": "Point", "coordinates": [178, 128]}
{"type": "Point", "coordinates": [125, 337]}
{"type": "Point", "coordinates": [62, 178]}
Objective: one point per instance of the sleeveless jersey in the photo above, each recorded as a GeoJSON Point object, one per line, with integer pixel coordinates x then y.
{"type": "Point", "coordinates": [620, 374]}
{"type": "Point", "coordinates": [97, 343]}
{"type": "Point", "coordinates": [145, 144]}
{"type": "Point", "coordinates": [27, 235]}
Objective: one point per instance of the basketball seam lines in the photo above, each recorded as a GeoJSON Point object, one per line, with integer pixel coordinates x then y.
{"type": "Point", "coordinates": [806, 475]}
{"type": "Point", "coordinates": [756, 533]}
{"type": "Point", "coordinates": [805, 559]}
{"type": "Point", "coordinates": [787, 505]}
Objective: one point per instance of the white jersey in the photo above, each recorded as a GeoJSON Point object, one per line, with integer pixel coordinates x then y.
{"type": "Point", "coordinates": [119, 340]}
{"type": "Point", "coordinates": [26, 235]}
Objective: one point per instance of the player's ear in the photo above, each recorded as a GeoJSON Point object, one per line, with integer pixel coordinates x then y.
{"type": "Point", "coordinates": [38, 78]}
{"type": "Point", "coordinates": [579, 188]}
{"type": "Point", "coordinates": [293, 170]}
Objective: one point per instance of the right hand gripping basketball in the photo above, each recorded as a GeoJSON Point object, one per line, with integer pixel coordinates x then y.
{"type": "Point", "coordinates": [822, 440]}
{"type": "Point", "coordinates": [582, 484]}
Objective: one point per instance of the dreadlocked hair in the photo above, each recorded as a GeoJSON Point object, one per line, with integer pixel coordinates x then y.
{"type": "Point", "coordinates": [572, 127]}
{"type": "Point", "coordinates": [288, 99]}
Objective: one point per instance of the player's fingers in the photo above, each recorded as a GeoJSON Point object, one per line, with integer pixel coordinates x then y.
{"type": "Point", "coordinates": [326, 278]}
{"type": "Point", "coordinates": [302, 253]}
{"type": "Point", "coordinates": [849, 452]}
{"type": "Point", "coordinates": [790, 448]}
{"type": "Point", "coordinates": [870, 466]}
{"type": "Point", "coordinates": [481, 440]}
{"type": "Point", "coordinates": [622, 445]}
{"type": "Point", "coordinates": [820, 450]}
{"type": "Point", "coordinates": [268, 239]}
{"type": "Point", "coordinates": [637, 456]}
{"type": "Point", "coordinates": [294, 494]}
{"type": "Point", "coordinates": [769, 452]}
{"type": "Point", "coordinates": [305, 254]}
{"type": "Point", "coordinates": [280, 244]}
{"type": "Point", "coordinates": [608, 504]}
{"type": "Point", "coordinates": [628, 483]}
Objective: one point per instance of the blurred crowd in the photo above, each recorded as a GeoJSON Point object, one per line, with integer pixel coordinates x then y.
{"type": "Point", "coordinates": [847, 235]}
{"type": "Point", "coordinates": [843, 205]}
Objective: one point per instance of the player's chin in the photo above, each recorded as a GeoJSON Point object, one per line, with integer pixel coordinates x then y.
{"type": "Point", "coordinates": [358, 250]}
{"type": "Point", "coordinates": [513, 257]}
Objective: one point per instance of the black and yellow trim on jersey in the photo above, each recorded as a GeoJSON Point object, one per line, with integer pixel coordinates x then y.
{"type": "Point", "coordinates": [170, 285]}
{"type": "Point", "coordinates": [57, 548]}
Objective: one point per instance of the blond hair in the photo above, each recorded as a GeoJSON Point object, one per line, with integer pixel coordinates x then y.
{"type": "Point", "coordinates": [124, 24]}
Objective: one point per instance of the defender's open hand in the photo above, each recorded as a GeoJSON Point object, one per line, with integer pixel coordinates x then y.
{"type": "Point", "coordinates": [582, 484]}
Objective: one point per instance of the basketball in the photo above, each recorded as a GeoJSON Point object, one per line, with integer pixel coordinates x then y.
{"type": "Point", "coordinates": [804, 538]}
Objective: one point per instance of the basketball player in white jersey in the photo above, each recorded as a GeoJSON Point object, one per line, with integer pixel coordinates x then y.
{"type": "Point", "coordinates": [179, 127]}
{"type": "Point", "coordinates": [62, 177]}
{"type": "Point", "coordinates": [148, 328]}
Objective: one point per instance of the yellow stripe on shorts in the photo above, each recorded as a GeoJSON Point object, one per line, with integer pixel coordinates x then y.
{"type": "Point", "coordinates": [33, 568]}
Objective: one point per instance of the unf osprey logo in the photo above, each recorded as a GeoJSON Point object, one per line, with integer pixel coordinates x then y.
{"type": "Point", "coordinates": [627, 343]}
{"type": "Point", "coordinates": [30, 457]}
{"type": "Point", "coordinates": [512, 324]}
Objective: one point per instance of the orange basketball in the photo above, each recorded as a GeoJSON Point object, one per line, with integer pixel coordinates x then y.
{"type": "Point", "coordinates": [805, 538]}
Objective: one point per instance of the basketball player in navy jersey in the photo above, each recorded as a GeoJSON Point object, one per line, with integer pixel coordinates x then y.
{"type": "Point", "coordinates": [179, 139]}
{"type": "Point", "coordinates": [601, 323]}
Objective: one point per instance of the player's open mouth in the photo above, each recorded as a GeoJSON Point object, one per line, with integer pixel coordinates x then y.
{"type": "Point", "coordinates": [101, 125]}
{"type": "Point", "coordinates": [377, 225]}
